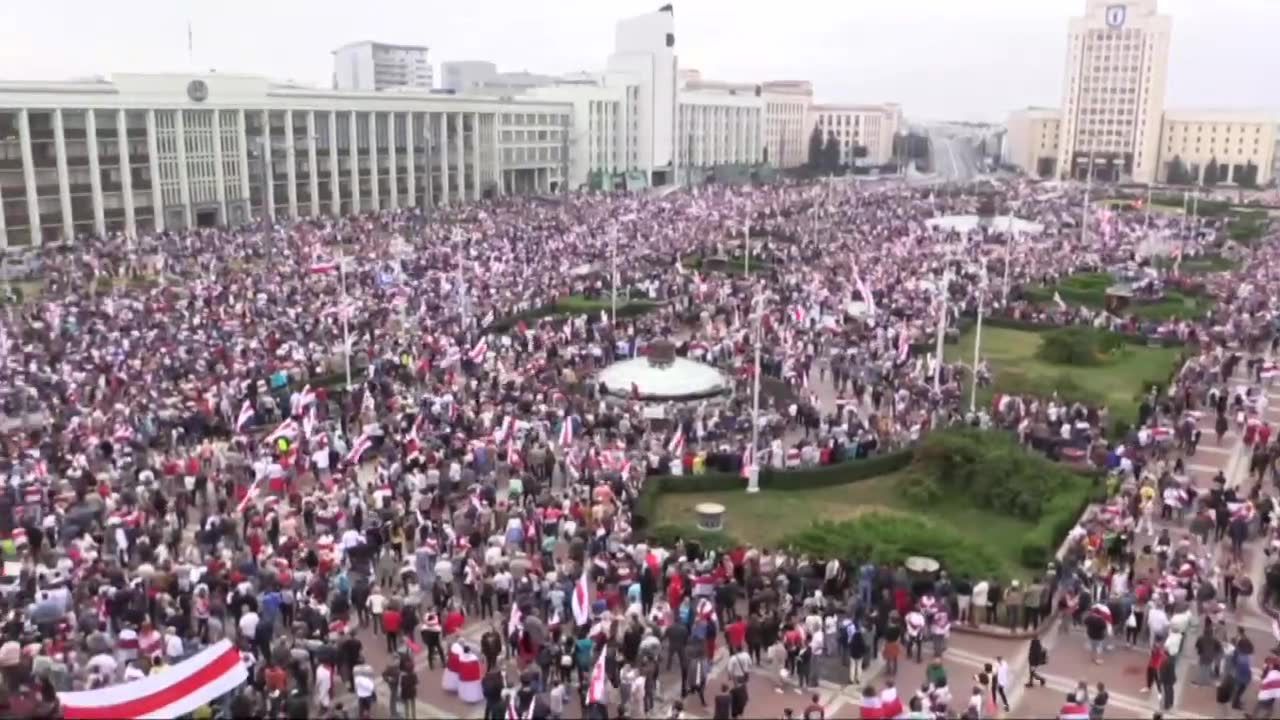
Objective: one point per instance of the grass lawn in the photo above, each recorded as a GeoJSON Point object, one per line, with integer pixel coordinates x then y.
{"type": "Point", "coordinates": [1011, 354]}
{"type": "Point", "coordinates": [1090, 290]}
{"type": "Point", "coordinates": [764, 518]}
{"type": "Point", "coordinates": [1197, 265]}
{"type": "Point", "coordinates": [727, 265]}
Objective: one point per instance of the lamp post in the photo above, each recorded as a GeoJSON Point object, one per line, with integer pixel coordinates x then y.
{"type": "Point", "coordinates": [942, 329]}
{"type": "Point", "coordinates": [753, 472]}
{"type": "Point", "coordinates": [346, 316]}
{"type": "Point", "coordinates": [977, 342]}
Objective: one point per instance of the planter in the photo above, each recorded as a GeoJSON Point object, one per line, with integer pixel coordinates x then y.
{"type": "Point", "coordinates": [710, 516]}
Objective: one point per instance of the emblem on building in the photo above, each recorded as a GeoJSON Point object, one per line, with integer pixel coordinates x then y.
{"type": "Point", "coordinates": [1115, 16]}
{"type": "Point", "coordinates": [197, 90]}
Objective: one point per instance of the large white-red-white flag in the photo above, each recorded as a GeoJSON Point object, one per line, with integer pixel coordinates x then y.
{"type": "Point", "coordinates": [362, 444]}
{"type": "Point", "coordinates": [597, 691]}
{"type": "Point", "coordinates": [202, 678]}
{"type": "Point", "coordinates": [580, 602]}
{"type": "Point", "coordinates": [246, 415]}
{"type": "Point", "coordinates": [676, 446]}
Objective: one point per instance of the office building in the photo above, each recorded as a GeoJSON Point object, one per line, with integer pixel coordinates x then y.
{"type": "Point", "coordinates": [718, 123]}
{"type": "Point", "coordinates": [644, 52]}
{"type": "Point", "coordinates": [371, 65]}
{"type": "Point", "coordinates": [1238, 145]}
{"type": "Point", "coordinates": [869, 127]}
{"type": "Point", "coordinates": [787, 125]}
{"type": "Point", "coordinates": [1113, 91]}
{"type": "Point", "coordinates": [149, 152]}
{"type": "Point", "coordinates": [1032, 140]}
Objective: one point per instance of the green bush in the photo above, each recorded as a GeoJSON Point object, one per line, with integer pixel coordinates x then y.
{"type": "Point", "coordinates": [891, 538]}
{"type": "Point", "coordinates": [837, 474]}
{"type": "Point", "coordinates": [991, 471]}
{"type": "Point", "coordinates": [668, 535]}
{"type": "Point", "coordinates": [1078, 345]}
{"type": "Point", "coordinates": [574, 305]}
{"type": "Point", "coordinates": [1011, 381]}
{"type": "Point", "coordinates": [1061, 513]}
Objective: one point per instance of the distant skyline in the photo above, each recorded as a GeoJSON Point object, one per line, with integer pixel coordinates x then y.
{"type": "Point", "coordinates": [941, 59]}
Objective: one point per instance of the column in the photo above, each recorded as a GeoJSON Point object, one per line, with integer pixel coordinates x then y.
{"type": "Point", "coordinates": [475, 156]}
{"type": "Point", "coordinates": [444, 159]}
{"type": "Point", "coordinates": [410, 172]}
{"type": "Point", "coordinates": [29, 177]}
{"type": "Point", "coordinates": [335, 192]}
{"type": "Point", "coordinates": [243, 159]}
{"type": "Point", "coordinates": [126, 174]}
{"type": "Point", "coordinates": [290, 165]}
{"type": "Point", "coordinates": [354, 151]}
{"type": "Point", "coordinates": [268, 171]}
{"type": "Point", "coordinates": [4, 233]}
{"type": "Point", "coordinates": [392, 187]}
{"type": "Point", "coordinates": [184, 184]}
{"type": "Point", "coordinates": [314, 169]}
{"type": "Point", "coordinates": [153, 155]}
{"type": "Point", "coordinates": [428, 182]}
{"type": "Point", "coordinates": [461, 137]}
{"type": "Point", "coordinates": [95, 171]}
{"type": "Point", "coordinates": [375, 203]}
{"type": "Point", "coordinates": [497, 153]}
{"type": "Point", "coordinates": [64, 182]}
{"type": "Point", "coordinates": [219, 173]}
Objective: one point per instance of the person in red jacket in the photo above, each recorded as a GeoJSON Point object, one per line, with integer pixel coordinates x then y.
{"type": "Point", "coordinates": [736, 634]}
{"type": "Point", "coordinates": [391, 621]}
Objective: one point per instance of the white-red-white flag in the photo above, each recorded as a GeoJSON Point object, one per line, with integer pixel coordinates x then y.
{"type": "Point", "coordinates": [246, 415]}
{"type": "Point", "coordinates": [580, 602]}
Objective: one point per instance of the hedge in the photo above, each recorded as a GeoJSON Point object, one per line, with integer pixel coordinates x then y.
{"type": "Point", "coordinates": [1029, 326]}
{"type": "Point", "coordinates": [574, 305]}
{"type": "Point", "coordinates": [807, 478]}
{"type": "Point", "coordinates": [1060, 515]}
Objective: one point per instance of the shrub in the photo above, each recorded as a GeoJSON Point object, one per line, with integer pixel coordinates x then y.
{"type": "Point", "coordinates": [990, 470]}
{"type": "Point", "coordinates": [1082, 346]}
{"type": "Point", "coordinates": [1015, 382]}
{"type": "Point", "coordinates": [891, 538]}
{"type": "Point", "coordinates": [668, 535]}
{"type": "Point", "coordinates": [1062, 512]}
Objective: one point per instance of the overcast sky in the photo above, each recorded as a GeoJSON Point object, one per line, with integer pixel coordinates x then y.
{"type": "Point", "coordinates": [942, 59]}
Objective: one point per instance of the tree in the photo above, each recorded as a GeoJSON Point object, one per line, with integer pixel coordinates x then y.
{"type": "Point", "coordinates": [1176, 172]}
{"type": "Point", "coordinates": [831, 153]}
{"type": "Point", "coordinates": [1211, 172]}
{"type": "Point", "coordinates": [815, 148]}
{"type": "Point", "coordinates": [1248, 176]}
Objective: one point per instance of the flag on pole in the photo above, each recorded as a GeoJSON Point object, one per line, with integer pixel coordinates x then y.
{"type": "Point", "coordinates": [323, 267]}
{"type": "Point", "coordinates": [248, 497]}
{"type": "Point", "coordinates": [246, 415]}
{"type": "Point", "coordinates": [287, 429]}
{"type": "Point", "coordinates": [1058, 299]}
{"type": "Point", "coordinates": [581, 601]}
{"type": "Point", "coordinates": [676, 446]}
{"type": "Point", "coordinates": [864, 290]}
{"type": "Point", "coordinates": [566, 431]}
{"type": "Point", "coordinates": [479, 351]}
{"type": "Point", "coordinates": [904, 343]}
{"type": "Point", "coordinates": [362, 444]}
{"type": "Point", "coordinates": [597, 691]}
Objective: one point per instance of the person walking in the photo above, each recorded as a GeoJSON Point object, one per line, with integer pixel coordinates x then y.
{"type": "Point", "coordinates": [999, 682]}
{"type": "Point", "coordinates": [1037, 658]}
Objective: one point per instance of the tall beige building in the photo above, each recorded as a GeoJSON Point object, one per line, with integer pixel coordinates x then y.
{"type": "Point", "coordinates": [1032, 141]}
{"type": "Point", "coordinates": [1113, 92]}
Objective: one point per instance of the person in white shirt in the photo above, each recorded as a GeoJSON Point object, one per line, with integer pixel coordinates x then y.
{"type": "Point", "coordinates": [376, 603]}
{"type": "Point", "coordinates": [1001, 682]}
{"type": "Point", "coordinates": [248, 625]}
{"type": "Point", "coordinates": [173, 648]}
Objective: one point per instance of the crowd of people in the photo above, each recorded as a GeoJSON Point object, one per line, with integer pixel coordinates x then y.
{"type": "Point", "coordinates": [186, 463]}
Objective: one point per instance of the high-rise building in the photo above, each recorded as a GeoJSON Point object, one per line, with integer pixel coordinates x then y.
{"type": "Point", "coordinates": [1113, 92]}
{"type": "Point", "coordinates": [644, 49]}
{"type": "Point", "coordinates": [371, 65]}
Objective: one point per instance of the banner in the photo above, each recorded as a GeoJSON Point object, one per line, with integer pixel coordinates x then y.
{"type": "Point", "coordinates": [201, 678]}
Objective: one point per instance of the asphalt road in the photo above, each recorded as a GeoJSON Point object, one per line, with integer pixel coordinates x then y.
{"type": "Point", "coordinates": [954, 160]}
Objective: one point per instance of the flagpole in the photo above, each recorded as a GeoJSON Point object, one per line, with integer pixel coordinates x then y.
{"type": "Point", "coordinates": [753, 472]}
{"type": "Point", "coordinates": [746, 231]}
{"type": "Point", "coordinates": [1008, 259]}
{"type": "Point", "coordinates": [942, 331]}
{"type": "Point", "coordinates": [613, 299]}
{"type": "Point", "coordinates": [1084, 206]}
{"type": "Point", "coordinates": [346, 316]}
{"type": "Point", "coordinates": [977, 344]}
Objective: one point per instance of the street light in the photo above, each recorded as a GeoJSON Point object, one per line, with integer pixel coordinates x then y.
{"type": "Point", "coordinates": [753, 472]}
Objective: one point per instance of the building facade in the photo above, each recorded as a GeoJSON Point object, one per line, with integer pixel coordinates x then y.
{"type": "Point", "coordinates": [644, 52]}
{"type": "Point", "coordinates": [1031, 141]}
{"type": "Point", "coordinates": [787, 105]}
{"type": "Point", "coordinates": [1232, 142]}
{"type": "Point", "coordinates": [148, 152]}
{"type": "Point", "coordinates": [380, 66]}
{"type": "Point", "coordinates": [598, 147]}
{"type": "Point", "coordinates": [1113, 91]}
{"type": "Point", "coordinates": [871, 127]}
{"type": "Point", "coordinates": [719, 124]}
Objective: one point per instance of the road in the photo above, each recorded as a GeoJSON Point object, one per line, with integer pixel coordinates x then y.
{"type": "Point", "coordinates": [954, 159]}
